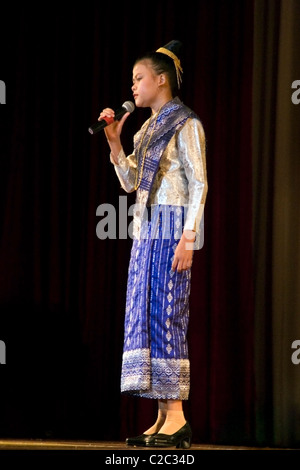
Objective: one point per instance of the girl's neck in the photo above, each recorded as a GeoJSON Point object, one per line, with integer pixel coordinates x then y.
{"type": "Point", "coordinates": [161, 102]}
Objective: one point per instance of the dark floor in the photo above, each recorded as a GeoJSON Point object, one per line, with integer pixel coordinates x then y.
{"type": "Point", "coordinates": [35, 444]}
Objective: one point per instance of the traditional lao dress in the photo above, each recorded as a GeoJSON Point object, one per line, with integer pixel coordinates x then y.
{"type": "Point", "coordinates": [168, 171]}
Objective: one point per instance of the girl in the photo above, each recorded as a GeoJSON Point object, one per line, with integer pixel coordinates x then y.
{"type": "Point", "coordinates": [167, 169]}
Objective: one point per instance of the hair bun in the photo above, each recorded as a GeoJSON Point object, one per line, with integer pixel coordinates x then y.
{"type": "Point", "coordinates": [173, 50]}
{"type": "Point", "coordinates": [175, 47]}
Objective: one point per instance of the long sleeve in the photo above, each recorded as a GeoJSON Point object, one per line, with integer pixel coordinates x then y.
{"type": "Point", "coordinates": [191, 147]}
{"type": "Point", "coordinates": [126, 170]}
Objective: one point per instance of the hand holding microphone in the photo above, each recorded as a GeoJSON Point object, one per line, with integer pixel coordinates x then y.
{"type": "Point", "coordinates": [109, 121]}
{"type": "Point", "coordinates": [108, 116]}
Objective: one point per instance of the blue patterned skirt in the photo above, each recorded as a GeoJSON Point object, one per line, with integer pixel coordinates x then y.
{"type": "Point", "coordinates": [155, 360]}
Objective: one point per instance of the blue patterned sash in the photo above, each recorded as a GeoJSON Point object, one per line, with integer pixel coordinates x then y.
{"type": "Point", "coordinates": [170, 119]}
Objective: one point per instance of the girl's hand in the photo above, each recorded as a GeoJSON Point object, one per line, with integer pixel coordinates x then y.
{"type": "Point", "coordinates": [183, 256]}
{"type": "Point", "coordinates": [112, 130]}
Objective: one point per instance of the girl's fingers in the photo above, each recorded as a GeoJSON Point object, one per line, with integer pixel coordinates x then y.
{"type": "Point", "coordinates": [107, 112]}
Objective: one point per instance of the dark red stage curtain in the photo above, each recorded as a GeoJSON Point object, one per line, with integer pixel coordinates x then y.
{"type": "Point", "coordinates": [62, 289]}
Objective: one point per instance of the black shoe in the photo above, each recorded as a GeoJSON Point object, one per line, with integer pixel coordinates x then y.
{"type": "Point", "coordinates": [140, 440]}
{"type": "Point", "coordinates": [180, 439]}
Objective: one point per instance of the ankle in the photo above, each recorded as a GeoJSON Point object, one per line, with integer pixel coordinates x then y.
{"type": "Point", "coordinates": [161, 417]}
{"type": "Point", "coordinates": [175, 420]}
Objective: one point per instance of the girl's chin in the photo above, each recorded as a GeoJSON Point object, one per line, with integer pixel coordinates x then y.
{"type": "Point", "coordinates": [140, 103]}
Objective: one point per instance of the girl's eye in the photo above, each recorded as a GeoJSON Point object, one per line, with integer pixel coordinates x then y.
{"type": "Point", "coordinates": [137, 79]}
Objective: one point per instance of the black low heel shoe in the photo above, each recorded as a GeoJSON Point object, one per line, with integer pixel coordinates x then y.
{"type": "Point", "coordinates": [141, 440]}
{"type": "Point", "coordinates": [180, 439]}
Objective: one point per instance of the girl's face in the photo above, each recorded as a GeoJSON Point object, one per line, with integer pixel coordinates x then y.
{"type": "Point", "coordinates": [146, 85]}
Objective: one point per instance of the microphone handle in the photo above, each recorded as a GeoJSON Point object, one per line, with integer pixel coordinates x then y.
{"type": "Point", "coordinates": [98, 126]}
{"type": "Point", "coordinates": [106, 121]}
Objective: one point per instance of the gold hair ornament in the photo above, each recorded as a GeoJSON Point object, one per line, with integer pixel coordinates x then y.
{"type": "Point", "coordinates": [177, 64]}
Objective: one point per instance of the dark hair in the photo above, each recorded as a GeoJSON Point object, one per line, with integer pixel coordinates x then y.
{"type": "Point", "coordinates": [162, 63]}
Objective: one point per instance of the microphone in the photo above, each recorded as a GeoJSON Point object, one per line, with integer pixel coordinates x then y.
{"type": "Point", "coordinates": [126, 107]}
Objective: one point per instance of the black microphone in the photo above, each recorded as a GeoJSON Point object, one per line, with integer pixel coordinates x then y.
{"type": "Point", "coordinates": [128, 106]}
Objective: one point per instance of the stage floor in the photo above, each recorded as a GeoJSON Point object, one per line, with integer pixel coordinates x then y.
{"type": "Point", "coordinates": [28, 444]}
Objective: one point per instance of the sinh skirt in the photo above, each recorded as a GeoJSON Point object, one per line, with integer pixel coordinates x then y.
{"type": "Point", "coordinates": [155, 361]}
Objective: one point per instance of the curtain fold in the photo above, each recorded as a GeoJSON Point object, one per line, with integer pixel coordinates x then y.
{"type": "Point", "coordinates": [276, 166]}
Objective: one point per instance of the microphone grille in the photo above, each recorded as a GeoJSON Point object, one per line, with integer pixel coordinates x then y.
{"type": "Point", "coordinates": [129, 106]}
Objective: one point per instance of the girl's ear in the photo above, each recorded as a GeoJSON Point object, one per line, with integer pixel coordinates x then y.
{"type": "Point", "coordinates": [162, 79]}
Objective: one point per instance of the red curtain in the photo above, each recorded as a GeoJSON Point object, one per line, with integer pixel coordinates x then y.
{"type": "Point", "coordinates": [62, 289]}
